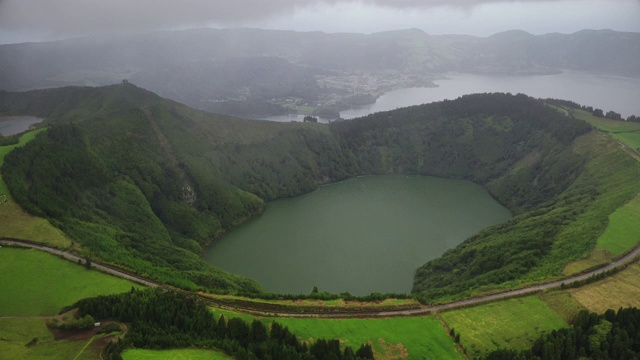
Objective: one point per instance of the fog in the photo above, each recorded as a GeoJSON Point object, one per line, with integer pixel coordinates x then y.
{"type": "Point", "coordinates": [241, 57]}
{"type": "Point", "coordinates": [41, 20]}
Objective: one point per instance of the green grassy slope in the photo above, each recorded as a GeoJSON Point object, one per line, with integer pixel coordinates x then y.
{"type": "Point", "coordinates": [35, 283]}
{"type": "Point", "coordinates": [509, 324]}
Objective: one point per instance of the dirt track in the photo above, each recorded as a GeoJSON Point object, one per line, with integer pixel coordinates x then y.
{"type": "Point", "coordinates": [628, 258]}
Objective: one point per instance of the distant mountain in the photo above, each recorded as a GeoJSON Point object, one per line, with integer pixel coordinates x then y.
{"type": "Point", "coordinates": [206, 66]}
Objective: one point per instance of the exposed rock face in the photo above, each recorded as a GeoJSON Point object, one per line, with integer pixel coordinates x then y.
{"type": "Point", "coordinates": [188, 194]}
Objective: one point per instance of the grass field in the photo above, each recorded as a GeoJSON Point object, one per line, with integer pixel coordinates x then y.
{"type": "Point", "coordinates": [15, 334]}
{"type": "Point", "coordinates": [394, 338]}
{"type": "Point", "coordinates": [613, 292]}
{"type": "Point", "coordinates": [512, 324]}
{"type": "Point", "coordinates": [623, 231]}
{"type": "Point", "coordinates": [625, 132]}
{"type": "Point", "coordinates": [37, 283]}
{"type": "Point", "coordinates": [16, 223]}
{"type": "Point", "coordinates": [563, 303]}
{"type": "Point", "coordinates": [598, 257]}
{"type": "Point", "coordinates": [177, 354]}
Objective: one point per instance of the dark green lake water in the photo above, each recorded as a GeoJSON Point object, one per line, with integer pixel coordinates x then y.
{"type": "Point", "coordinates": [364, 235]}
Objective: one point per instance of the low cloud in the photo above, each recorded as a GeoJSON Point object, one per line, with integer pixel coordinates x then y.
{"type": "Point", "coordinates": [76, 17]}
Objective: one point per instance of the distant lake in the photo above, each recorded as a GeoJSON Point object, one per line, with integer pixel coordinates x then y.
{"type": "Point", "coordinates": [619, 94]}
{"type": "Point", "coordinates": [363, 235]}
{"type": "Point", "coordinates": [11, 125]}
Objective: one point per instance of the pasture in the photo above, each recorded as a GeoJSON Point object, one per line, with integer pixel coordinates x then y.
{"type": "Point", "coordinates": [392, 338]}
{"type": "Point", "coordinates": [35, 283]}
{"type": "Point", "coordinates": [29, 338]}
{"type": "Point", "coordinates": [508, 324]}
{"type": "Point", "coordinates": [613, 292]}
{"type": "Point", "coordinates": [623, 232]}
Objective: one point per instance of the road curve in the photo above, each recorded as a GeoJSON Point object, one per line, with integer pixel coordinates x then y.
{"type": "Point", "coordinates": [624, 260]}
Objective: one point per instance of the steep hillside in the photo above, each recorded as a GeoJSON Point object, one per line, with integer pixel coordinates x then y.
{"type": "Point", "coordinates": [145, 182]}
{"type": "Point", "coordinates": [142, 182]}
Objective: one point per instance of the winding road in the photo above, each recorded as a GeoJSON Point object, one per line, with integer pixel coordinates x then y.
{"type": "Point", "coordinates": [624, 260]}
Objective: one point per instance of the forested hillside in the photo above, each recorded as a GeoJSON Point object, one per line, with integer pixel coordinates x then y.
{"type": "Point", "coordinates": [145, 182]}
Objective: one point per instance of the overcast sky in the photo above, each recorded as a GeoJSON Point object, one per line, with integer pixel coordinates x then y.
{"type": "Point", "coordinates": [40, 20]}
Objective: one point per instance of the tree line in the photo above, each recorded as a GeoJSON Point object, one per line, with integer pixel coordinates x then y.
{"type": "Point", "coordinates": [160, 319]}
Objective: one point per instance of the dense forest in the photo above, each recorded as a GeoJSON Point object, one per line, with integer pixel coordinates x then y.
{"type": "Point", "coordinates": [612, 335]}
{"type": "Point", "coordinates": [158, 319]}
{"type": "Point", "coordinates": [146, 183]}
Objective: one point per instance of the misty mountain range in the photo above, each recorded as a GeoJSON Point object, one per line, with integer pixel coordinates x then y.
{"type": "Point", "coordinates": [249, 67]}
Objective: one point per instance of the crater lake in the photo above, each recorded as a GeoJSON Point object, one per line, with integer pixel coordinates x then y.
{"type": "Point", "coordinates": [367, 234]}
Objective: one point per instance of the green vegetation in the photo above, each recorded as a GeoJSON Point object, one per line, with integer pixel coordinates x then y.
{"type": "Point", "coordinates": [149, 182]}
{"type": "Point", "coordinates": [612, 335]}
{"type": "Point", "coordinates": [37, 283]}
{"type": "Point", "coordinates": [392, 338]}
{"type": "Point", "coordinates": [619, 290]}
{"type": "Point", "coordinates": [511, 324]}
{"type": "Point", "coordinates": [563, 303]}
{"type": "Point", "coordinates": [542, 240]}
{"type": "Point", "coordinates": [626, 132]}
{"type": "Point", "coordinates": [18, 224]}
{"type": "Point", "coordinates": [4, 150]}
{"type": "Point", "coordinates": [177, 354]}
{"type": "Point", "coordinates": [623, 232]}
{"type": "Point", "coordinates": [30, 339]}
{"type": "Point", "coordinates": [162, 319]}
{"type": "Point", "coordinates": [84, 323]}
{"type": "Point", "coordinates": [417, 337]}
{"type": "Point", "coordinates": [315, 304]}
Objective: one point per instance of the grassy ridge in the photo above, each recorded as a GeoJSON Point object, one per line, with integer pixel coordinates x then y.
{"type": "Point", "coordinates": [624, 131]}
{"type": "Point", "coordinates": [36, 283]}
{"type": "Point", "coordinates": [18, 224]}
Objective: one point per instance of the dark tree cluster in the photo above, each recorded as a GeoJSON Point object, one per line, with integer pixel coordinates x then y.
{"type": "Point", "coordinates": [612, 335]}
{"type": "Point", "coordinates": [160, 319]}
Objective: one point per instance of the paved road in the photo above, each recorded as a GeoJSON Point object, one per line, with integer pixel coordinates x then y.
{"type": "Point", "coordinates": [629, 258]}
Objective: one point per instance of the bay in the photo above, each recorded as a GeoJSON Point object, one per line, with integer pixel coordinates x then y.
{"type": "Point", "coordinates": [619, 94]}
{"type": "Point", "coordinates": [11, 125]}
